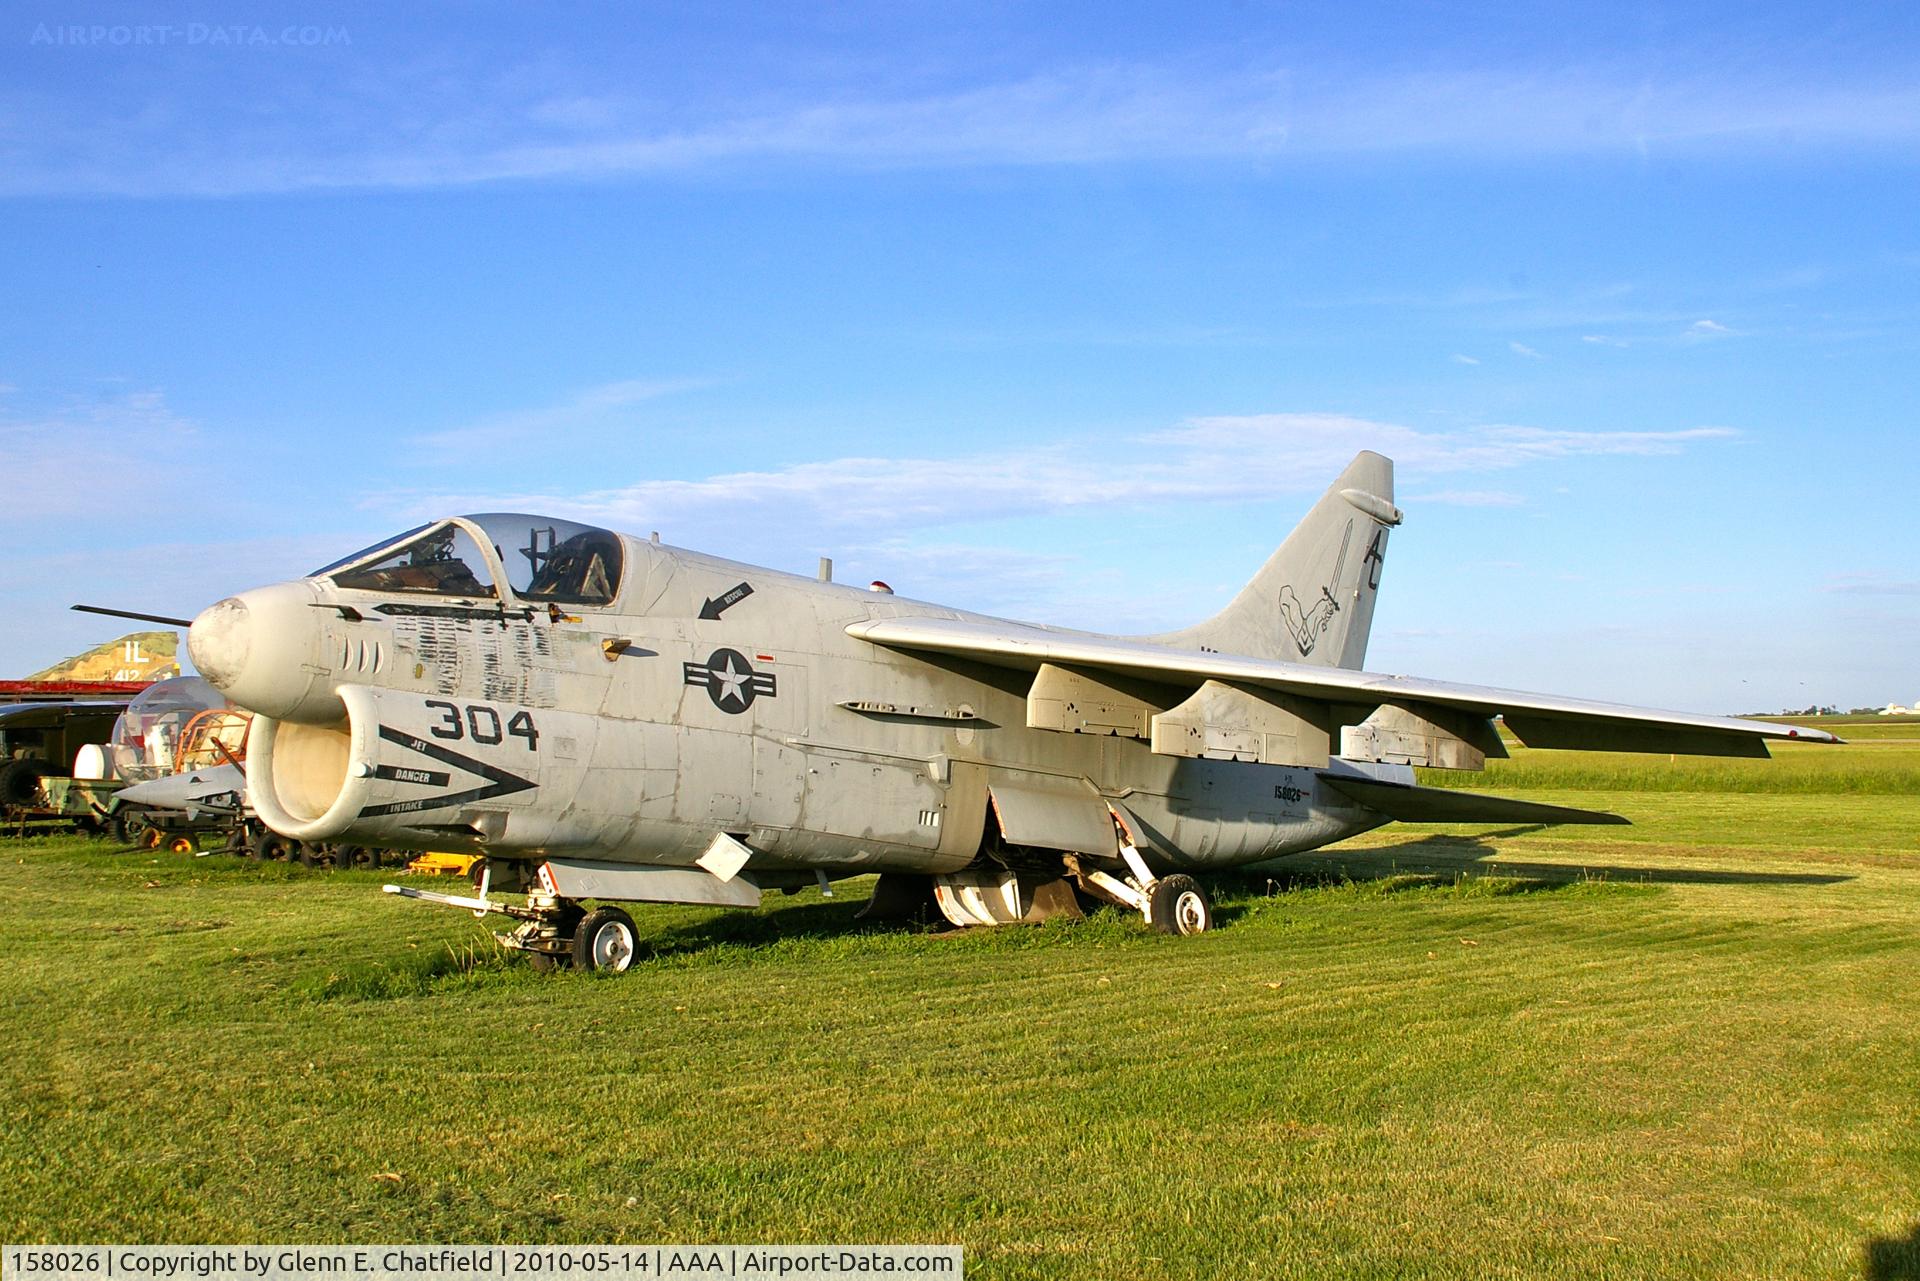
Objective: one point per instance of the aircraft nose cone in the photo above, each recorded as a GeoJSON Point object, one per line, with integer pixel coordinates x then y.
{"type": "Point", "coordinates": [262, 650]}
{"type": "Point", "coordinates": [220, 641]}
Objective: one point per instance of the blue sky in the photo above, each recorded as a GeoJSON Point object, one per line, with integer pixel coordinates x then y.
{"type": "Point", "coordinates": [1064, 312]}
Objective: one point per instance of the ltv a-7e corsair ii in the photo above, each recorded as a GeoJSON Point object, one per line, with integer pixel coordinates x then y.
{"type": "Point", "coordinates": [609, 719]}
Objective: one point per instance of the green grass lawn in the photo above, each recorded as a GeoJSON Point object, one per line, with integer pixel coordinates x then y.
{"type": "Point", "coordinates": [1881, 756]}
{"type": "Point", "coordinates": [1684, 1048]}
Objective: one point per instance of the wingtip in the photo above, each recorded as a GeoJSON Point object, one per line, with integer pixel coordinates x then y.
{"type": "Point", "coordinates": [1802, 734]}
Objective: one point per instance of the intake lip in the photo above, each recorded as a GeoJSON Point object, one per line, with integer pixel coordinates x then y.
{"type": "Point", "coordinates": [310, 781]}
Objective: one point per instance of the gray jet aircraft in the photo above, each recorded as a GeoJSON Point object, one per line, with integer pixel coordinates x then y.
{"type": "Point", "coordinates": [609, 719]}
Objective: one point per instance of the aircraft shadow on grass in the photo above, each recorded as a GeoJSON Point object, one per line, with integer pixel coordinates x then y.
{"type": "Point", "coordinates": [1478, 854]}
{"type": "Point", "coordinates": [1412, 864]}
{"type": "Point", "coordinates": [1892, 1258]}
{"type": "Point", "coordinates": [842, 918]}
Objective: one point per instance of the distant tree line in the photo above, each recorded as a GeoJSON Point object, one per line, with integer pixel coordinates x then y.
{"type": "Point", "coordinates": [1821, 711]}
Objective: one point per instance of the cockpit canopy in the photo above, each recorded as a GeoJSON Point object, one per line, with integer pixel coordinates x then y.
{"type": "Point", "coordinates": [144, 738]}
{"type": "Point", "coordinates": [538, 557]}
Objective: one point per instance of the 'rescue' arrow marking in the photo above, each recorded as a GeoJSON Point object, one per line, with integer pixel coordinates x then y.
{"type": "Point", "coordinates": [725, 601]}
{"type": "Point", "coordinates": [502, 782]}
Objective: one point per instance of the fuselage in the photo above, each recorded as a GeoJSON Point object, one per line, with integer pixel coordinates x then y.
{"type": "Point", "coordinates": [619, 699]}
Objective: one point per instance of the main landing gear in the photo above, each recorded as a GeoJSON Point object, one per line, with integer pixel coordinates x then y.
{"type": "Point", "coordinates": [1175, 904]}
{"type": "Point", "coordinates": [1178, 905]}
{"type": "Point", "coordinates": [1017, 884]}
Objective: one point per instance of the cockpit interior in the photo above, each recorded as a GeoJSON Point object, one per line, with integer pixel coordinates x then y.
{"type": "Point", "coordinates": [538, 558]}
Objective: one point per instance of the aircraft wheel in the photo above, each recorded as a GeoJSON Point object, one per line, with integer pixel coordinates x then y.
{"type": "Point", "coordinates": [1180, 906]}
{"type": "Point", "coordinates": [606, 940]}
{"type": "Point", "coordinates": [358, 857]}
{"type": "Point", "coordinates": [269, 846]}
{"type": "Point", "coordinates": [20, 781]}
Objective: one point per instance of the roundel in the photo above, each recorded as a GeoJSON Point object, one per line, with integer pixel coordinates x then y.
{"type": "Point", "coordinates": [730, 681]}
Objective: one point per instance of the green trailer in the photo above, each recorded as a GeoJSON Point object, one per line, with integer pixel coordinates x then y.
{"type": "Point", "coordinates": [38, 745]}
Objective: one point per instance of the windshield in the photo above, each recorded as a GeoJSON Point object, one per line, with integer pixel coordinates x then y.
{"type": "Point", "coordinates": [442, 562]}
{"type": "Point", "coordinates": [555, 560]}
{"type": "Point", "coordinates": [368, 550]}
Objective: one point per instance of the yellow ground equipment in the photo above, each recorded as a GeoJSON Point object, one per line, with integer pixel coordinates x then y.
{"type": "Point", "coordinates": [443, 864]}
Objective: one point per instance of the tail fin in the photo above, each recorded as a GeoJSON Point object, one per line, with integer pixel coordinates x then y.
{"type": "Point", "coordinates": [1312, 602]}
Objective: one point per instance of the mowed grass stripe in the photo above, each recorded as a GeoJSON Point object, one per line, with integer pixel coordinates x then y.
{"type": "Point", "coordinates": [1399, 1072]}
{"type": "Point", "coordinates": [1880, 757]}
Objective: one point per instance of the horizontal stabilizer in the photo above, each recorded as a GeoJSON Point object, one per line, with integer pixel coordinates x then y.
{"type": "Point", "coordinates": [1410, 804]}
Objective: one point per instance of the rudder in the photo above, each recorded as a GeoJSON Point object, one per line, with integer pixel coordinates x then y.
{"type": "Point", "coordinates": [1312, 602]}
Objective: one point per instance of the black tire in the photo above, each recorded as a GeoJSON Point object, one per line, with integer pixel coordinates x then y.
{"type": "Point", "coordinates": [269, 846]}
{"type": "Point", "coordinates": [358, 857]}
{"type": "Point", "coordinates": [308, 855]}
{"type": "Point", "coordinates": [20, 782]}
{"type": "Point", "coordinates": [1179, 905]}
{"type": "Point", "coordinates": [605, 940]}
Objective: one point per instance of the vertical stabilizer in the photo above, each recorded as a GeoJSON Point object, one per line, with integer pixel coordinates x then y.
{"type": "Point", "coordinates": [1312, 602]}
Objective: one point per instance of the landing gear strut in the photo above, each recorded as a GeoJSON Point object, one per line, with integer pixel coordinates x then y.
{"type": "Point", "coordinates": [554, 932]}
{"type": "Point", "coordinates": [1175, 904]}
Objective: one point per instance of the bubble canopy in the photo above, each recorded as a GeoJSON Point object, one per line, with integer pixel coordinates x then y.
{"type": "Point", "coordinates": [539, 558]}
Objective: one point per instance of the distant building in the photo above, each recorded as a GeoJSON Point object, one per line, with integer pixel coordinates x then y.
{"type": "Point", "coordinates": [1894, 709]}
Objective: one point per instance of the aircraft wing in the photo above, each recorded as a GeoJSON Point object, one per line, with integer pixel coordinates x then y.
{"type": "Point", "coordinates": [1538, 720]}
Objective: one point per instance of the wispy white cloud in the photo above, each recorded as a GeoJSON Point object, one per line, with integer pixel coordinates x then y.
{"type": "Point", "coordinates": [1866, 584]}
{"type": "Point", "coordinates": [1468, 498]}
{"type": "Point", "coordinates": [385, 127]}
{"type": "Point", "coordinates": [595, 407]}
{"type": "Point", "coordinates": [1521, 349]}
{"type": "Point", "coordinates": [1460, 359]}
{"type": "Point", "coordinates": [1203, 460]}
{"type": "Point", "coordinates": [1700, 331]}
{"type": "Point", "coordinates": [41, 451]}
